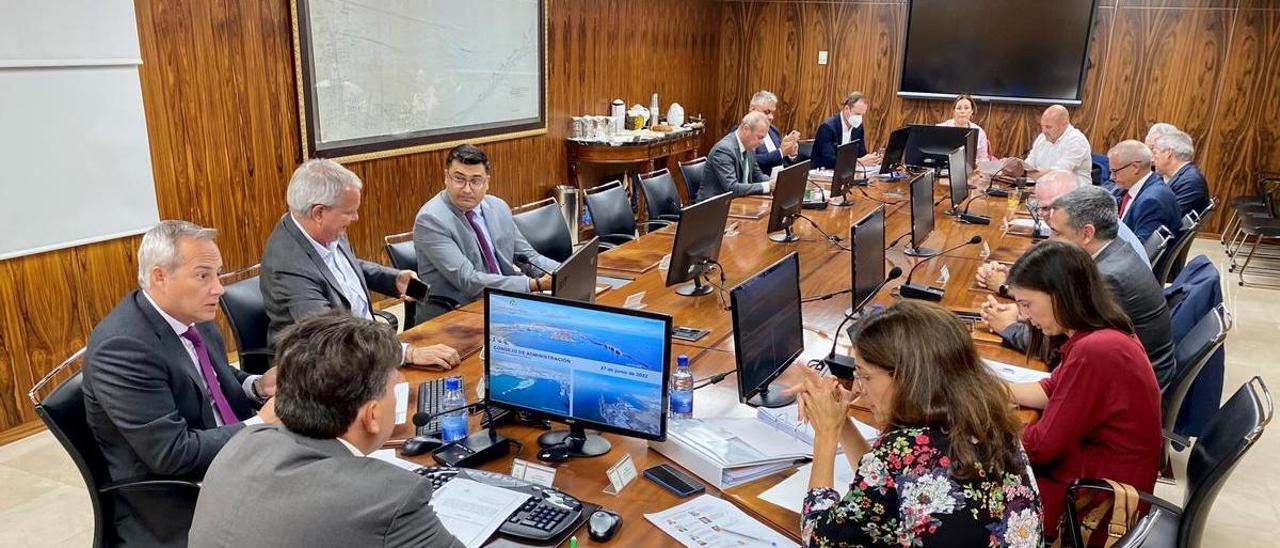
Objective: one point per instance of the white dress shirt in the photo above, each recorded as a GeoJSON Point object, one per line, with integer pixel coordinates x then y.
{"type": "Point", "coordinates": [179, 328]}
{"type": "Point", "coordinates": [344, 272]}
{"type": "Point", "coordinates": [768, 142]}
{"type": "Point", "coordinates": [1133, 195]}
{"type": "Point", "coordinates": [1070, 153]}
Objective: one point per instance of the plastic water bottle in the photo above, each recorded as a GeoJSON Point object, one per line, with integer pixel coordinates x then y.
{"type": "Point", "coordinates": [682, 390]}
{"type": "Point", "coordinates": [453, 426]}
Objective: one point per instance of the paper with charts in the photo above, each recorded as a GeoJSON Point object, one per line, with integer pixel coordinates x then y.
{"type": "Point", "coordinates": [410, 66]}
{"type": "Point", "coordinates": [709, 522]}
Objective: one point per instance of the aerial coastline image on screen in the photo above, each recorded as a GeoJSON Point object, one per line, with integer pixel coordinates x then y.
{"type": "Point", "coordinates": [563, 360]}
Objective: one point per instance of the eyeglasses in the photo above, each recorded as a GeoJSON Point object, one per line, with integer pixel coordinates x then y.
{"type": "Point", "coordinates": [474, 182]}
{"type": "Point", "coordinates": [1123, 167]}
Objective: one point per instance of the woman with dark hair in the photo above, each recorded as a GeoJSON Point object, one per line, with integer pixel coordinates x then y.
{"type": "Point", "coordinates": [1101, 404]}
{"type": "Point", "coordinates": [963, 111]}
{"type": "Point", "coordinates": [949, 469]}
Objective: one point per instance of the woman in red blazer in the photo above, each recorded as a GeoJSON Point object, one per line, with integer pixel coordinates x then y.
{"type": "Point", "coordinates": [1101, 404]}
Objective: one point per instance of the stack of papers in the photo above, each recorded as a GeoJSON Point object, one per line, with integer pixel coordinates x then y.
{"type": "Point", "coordinates": [472, 511]}
{"type": "Point", "coordinates": [1013, 373]}
{"type": "Point", "coordinates": [789, 493]}
{"type": "Point", "coordinates": [821, 175]}
{"type": "Point", "coordinates": [711, 522]}
{"type": "Point", "coordinates": [729, 452]}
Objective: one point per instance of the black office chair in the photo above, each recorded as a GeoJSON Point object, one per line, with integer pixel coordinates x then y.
{"type": "Point", "coordinates": [1166, 269]}
{"type": "Point", "coordinates": [1198, 220]}
{"type": "Point", "coordinates": [544, 226]}
{"type": "Point", "coordinates": [692, 173]}
{"type": "Point", "coordinates": [1190, 356]}
{"type": "Point", "coordinates": [661, 199]}
{"type": "Point", "coordinates": [246, 312]}
{"type": "Point", "coordinates": [611, 214]}
{"type": "Point", "coordinates": [164, 506]}
{"type": "Point", "coordinates": [1156, 243]}
{"type": "Point", "coordinates": [804, 150]}
{"type": "Point", "coordinates": [1224, 441]}
{"type": "Point", "coordinates": [403, 257]}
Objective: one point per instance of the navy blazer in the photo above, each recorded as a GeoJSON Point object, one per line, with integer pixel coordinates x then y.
{"type": "Point", "coordinates": [1189, 186]}
{"type": "Point", "coordinates": [828, 138]}
{"type": "Point", "coordinates": [1193, 294]}
{"type": "Point", "coordinates": [1154, 205]}
{"type": "Point", "coordinates": [769, 160]}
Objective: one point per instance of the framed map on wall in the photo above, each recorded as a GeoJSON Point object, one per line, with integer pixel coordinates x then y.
{"type": "Point", "coordinates": [379, 78]}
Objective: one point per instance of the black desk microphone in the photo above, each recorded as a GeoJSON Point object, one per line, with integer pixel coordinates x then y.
{"type": "Point", "coordinates": [927, 292]}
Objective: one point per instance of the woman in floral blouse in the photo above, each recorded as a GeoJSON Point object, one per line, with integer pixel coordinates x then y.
{"type": "Point", "coordinates": [949, 469]}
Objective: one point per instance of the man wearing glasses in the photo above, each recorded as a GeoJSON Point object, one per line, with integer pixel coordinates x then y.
{"type": "Point", "coordinates": [467, 240]}
{"type": "Point", "coordinates": [1146, 202]}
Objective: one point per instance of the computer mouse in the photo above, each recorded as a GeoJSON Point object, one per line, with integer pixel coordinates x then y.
{"type": "Point", "coordinates": [419, 445]}
{"type": "Point", "coordinates": [554, 453]}
{"type": "Point", "coordinates": [603, 524]}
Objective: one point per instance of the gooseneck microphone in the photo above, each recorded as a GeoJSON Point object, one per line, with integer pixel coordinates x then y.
{"type": "Point", "coordinates": [842, 366]}
{"type": "Point", "coordinates": [972, 218]}
{"type": "Point", "coordinates": [924, 291]}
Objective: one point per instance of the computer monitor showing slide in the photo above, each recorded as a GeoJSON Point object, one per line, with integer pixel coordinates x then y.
{"type": "Point", "coordinates": [767, 331]}
{"type": "Point", "coordinates": [576, 278]}
{"type": "Point", "coordinates": [581, 364]}
{"type": "Point", "coordinates": [922, 214]}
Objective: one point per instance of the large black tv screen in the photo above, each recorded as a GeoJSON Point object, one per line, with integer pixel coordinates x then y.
{"type": "Point", "coordinates": [1018, 51]}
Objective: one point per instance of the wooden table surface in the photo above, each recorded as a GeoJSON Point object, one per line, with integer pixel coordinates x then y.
{"type": "Point", "coordinates": [823, 268]}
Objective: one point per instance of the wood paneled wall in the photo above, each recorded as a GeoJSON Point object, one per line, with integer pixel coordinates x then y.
{"type": "Point", "coordinates": [1211, 67]}
{"type": "Point", "coordinates": [220, 99]}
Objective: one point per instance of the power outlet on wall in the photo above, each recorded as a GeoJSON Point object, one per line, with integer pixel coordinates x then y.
{"type": "Point", "coordinates": [822, 57]}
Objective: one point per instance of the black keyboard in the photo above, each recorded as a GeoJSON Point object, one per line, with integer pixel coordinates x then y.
{"type": "Point", "coordinates": [547, 514]}
{"type": "Point", "coordinates": [430, 396]}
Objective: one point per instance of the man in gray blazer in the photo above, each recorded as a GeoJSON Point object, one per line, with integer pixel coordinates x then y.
{"type": "Point", "coordinates": [1087, 217]}
{"type": "Point", "coordinates": [307, 482]}
{"type": "Point", "coordinates": [731, 164]}
{"type": "Point", "coordinates": [308, 266]}
{"type": "Point", "coordinates": [467, 240]}
{"type": "Point", "coordinates": [159, 395]}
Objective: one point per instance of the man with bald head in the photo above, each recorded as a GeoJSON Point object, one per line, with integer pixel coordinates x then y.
{"type": "Point", "coordinates": [1060, 146]}
{"type": "Point", "coordinates": [731, 165]}
{"type": "Point", "coordinates": [1145, 201]}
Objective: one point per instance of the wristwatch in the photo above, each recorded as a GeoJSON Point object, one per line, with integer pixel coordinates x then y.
{"type": "Point", "coordinates": [1003, 290]}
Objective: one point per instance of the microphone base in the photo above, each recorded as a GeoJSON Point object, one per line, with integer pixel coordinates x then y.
{"type": "Point", "coordinates": [842, 367]}
{"type": "Point", "coordinates": [474, 450]}
{"type": "Point", "coordinates": [921, 292]}
{"type": "Point", "coordinates": [970, 218]}
{"type": "Point", "coordinates": [814, 205]}
{"type": "Point", "coordinates": [920, 251]}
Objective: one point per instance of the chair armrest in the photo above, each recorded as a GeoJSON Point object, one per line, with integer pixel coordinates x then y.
{"type": "Point", "coordinates": [616, 239]}
{"type": "Point", "coordinates": [443, 302]}
{"type": "Point", "coordinates": [605, 246]}
{"type": "Point", "coordinates": [135, 484]}
{"type": "Point", "coordinates": [257, 352]}
{"type": "Point", "coordinates": [655, 224]}
{"type": "Point", "coordinates": [389, 317]}
{"type": "Point", "coordinates": [1177, 439]}
{"type": "Point", "coordinates": [669, 217]}
{"type": "Point", "coordinates": [1094, 484]}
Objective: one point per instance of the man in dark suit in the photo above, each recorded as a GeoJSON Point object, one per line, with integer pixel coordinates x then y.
{"type": "Point", "coordinates": [731, 167]}
{"type": "Point", "coordinates": [467, 240]}
{"type": "Point", "coordinates": [307, 482]}
{"type": "Point", "coordinates": [1086, 217]}
{"type": "Point", "coordinates": [775, 150]}
{"type": "Point", "coordinates": [159, 395]}
{"type": "Point", "coordinates": [1172, 156]}
{"type": "Point", "coordinates": [308, 266]}
{"type": "Point", "coordinates": [843, 127]}
{"type": "Point", "coordinates": [1145, 201]}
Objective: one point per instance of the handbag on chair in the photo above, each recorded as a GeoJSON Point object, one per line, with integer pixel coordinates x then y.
{"type": "Point", "coordinates": [1098, 515]}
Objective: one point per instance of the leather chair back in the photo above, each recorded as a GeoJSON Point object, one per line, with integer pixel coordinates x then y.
{"type": "Point", "coordinates": [246, 311]}
{"type": "Point", "coordinates": [1190, 356]}
{"type": "Point", "coordinates": [692, 173]}
{"type": "Point", "coordinates": [661, 199]}
{"type": "Point", "coordinates": [1157, 243]}
{"type": "Point", "coordinates": [611, 212]}
{"type": "Point", "coordinates": [403, 256]}
{"type": "Point", "coordinates": [544, 226]}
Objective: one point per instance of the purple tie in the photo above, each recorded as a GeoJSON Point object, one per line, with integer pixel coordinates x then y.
{"type": "Point", "coordinates": [485, 250]}
{"type": "Point", "coordinates": [210, 378]}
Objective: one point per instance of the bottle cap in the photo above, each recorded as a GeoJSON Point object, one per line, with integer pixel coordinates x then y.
{"type": "Point", "coordinates": [682, 361]}
{"type": "Point", "coordinates": [453, 383]}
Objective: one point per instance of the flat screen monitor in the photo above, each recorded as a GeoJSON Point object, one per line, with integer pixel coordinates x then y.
{"type": "Point", "coordinates": [582, 364]}
{"type": "Point", "coordinates": [894, 150]}
{"type": "Point", "coordinates": [867, 236]}
{"type": "Point", "coordinates": [922, 213]}
{"type": "Point", "coordinates": [788, 194]}
{"type": "Point", "coordinates": [1024, 62]}
{"type": "Point", "coordinates": [929, 145]}
{"type": "Point", "coordinates": [576, 278]}
{"type": "Point", "coordinates": [697, 243]}
{"type": "Point", "coordinates": [846, 171]}
{"type": "Point", "coordinates": [958, 177]}
{"type": "Point", "coordinates": [767, 331]}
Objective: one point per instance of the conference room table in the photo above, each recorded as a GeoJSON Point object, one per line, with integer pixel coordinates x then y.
{"type": "Point", "coordinates": [824, 268]}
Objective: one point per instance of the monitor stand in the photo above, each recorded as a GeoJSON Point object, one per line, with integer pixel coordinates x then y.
{"type": "Point", "coordinates": [695, 289]}
{"type": "Point", "coordinates": [580, 442]}
{"type": "Point", "coordinates": [920, 251]}
{"type": "Point", "coordinates": [787, 236]}
{"type": "Point", "coordinates": [843, 198]}
{"type": "Point", "coordinates": [771, 397]}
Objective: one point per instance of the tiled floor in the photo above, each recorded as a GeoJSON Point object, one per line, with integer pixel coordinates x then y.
{"type": "Point", "coordinates": [43, 502]}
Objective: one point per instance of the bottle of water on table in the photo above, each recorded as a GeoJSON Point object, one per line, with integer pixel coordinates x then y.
{"type": "Point", "coordinates": [453, 426]}
{"type": "Point", "coordinates": [682, 390]}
